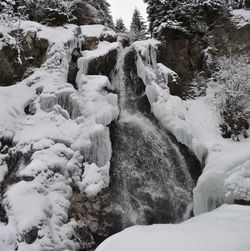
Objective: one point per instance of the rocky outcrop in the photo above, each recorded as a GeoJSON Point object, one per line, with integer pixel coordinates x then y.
{"type": "Point", "coordinates": [109, 36]}
{"type": "Point", "coordinates": [192, 54]}
{"type": "Point", "coordinates": [90, 43]}
{"type": "Point", "coordinates": [182, 53]}
{"type": "Point", "coordinates": [18, 59]}
{"type": "Point", "coordinates": [229, 39]}
{"type": "Point", "coordinates": [103, 65]}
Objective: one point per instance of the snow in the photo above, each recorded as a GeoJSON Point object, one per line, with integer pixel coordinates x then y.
{"type": "Point", "coordinates": [12, 102]}
{"type": "Point", "coordinates": [225, 179]}
{"type": "Point", "coordinates": [66, 141]}
{"type": "Point", "coordinates": [94, 178]}
{"type": "Point", "coordinates": [94, 30]}
{"type": "Point", "coordinates": [226, 159]}
{"type": "Point", "coordinates": [52, 34]}
{"type": "Point", "coordinates": [225, 229]}
{"type": "Point", "coordinates": [241, 17]}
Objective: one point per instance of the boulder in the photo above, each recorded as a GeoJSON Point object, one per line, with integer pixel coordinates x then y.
{"type": "Point", "coordinates": [103, 65]}
{"type": "Point", "coordinates": [31, 235]}
{"type": "Point", "coordinates": [89, 43]}
{"type": "Point", "coordinates": [181, 53]}
{"type": "Point", "coordinates": [16, 60]}
{"type": "Point", "coordinates": [109, 36]}
{"type": "Point", "coordinates": [189, 54]}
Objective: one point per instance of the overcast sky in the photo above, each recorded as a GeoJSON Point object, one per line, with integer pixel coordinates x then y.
{"type": "Point", "coordinates": [124, 9]}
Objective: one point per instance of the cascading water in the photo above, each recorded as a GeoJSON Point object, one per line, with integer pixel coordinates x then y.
{"type": "Point", "coordinates": [151, 175]}
{"type": "Point", "coordinates": [150, 178]}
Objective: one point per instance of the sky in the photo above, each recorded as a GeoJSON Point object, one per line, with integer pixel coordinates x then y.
{"type": "Point", "coordinates": [124, 9]}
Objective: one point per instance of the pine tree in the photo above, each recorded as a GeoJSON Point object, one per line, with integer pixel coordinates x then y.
{"type": "Point", "coordinates": [120, 26]}
{"type": "Point", "coordinates": [59, 12]}
{"type": "Point", "coordinates": [103, 9]}
{"type": "Point", "coordinates": [138, 27]}
{"type": "Point", "coordinates": [186, 15]}
{"type": "Point", "coordinates": [154, 9]}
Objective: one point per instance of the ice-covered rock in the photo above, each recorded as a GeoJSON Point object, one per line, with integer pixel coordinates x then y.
{"type": "Point", "coordinates": [169, 110]}
{"type": "Point", "coordinates": [225, 179]}
{"type": "Point", "coordinates": [100, 61]}
{"type": "Point", "coordinates": [60, 138]}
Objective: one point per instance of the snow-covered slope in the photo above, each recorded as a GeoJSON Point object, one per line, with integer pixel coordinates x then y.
{"type": "Point", "coordinates": [224, 229]}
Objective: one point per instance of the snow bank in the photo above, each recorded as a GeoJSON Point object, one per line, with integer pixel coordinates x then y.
{"type": "Point", "coordinates": [241, 17]}
{"type": "Point", "coordinates": [225, 179]}
{"type": "Point", "coordinates": [13, 100]}
{"type": "Point", "coordinates": [225, 229]}
{"type": "Point", "coordinates": [96, 30]}
{"type": "Point", "coordinates": [93, 30]}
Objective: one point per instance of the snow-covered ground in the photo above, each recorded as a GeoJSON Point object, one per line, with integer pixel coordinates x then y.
{"type": "Point", "coordinates": [65, 135]}
{"type": "Point", "coordinates": [224, 229]}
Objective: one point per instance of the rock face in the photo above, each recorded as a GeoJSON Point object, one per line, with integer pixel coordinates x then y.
{"type": "Point", "coordinates": [90, 43]}
{"type": "Point", "coordinates": [187, 54]}
{"type": "Point", "coordinates": [103, 65]}
{"type": "Point", "coordinates": [229, 39]}
{"type": "Point", "coordinates": [247, 4]}
{"type": "Point", "coordinates": [182, 53]}
{"type": "Point", "coordinates": [16, 60]}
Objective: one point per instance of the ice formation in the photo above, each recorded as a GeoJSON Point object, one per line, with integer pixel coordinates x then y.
{"type": "Point", "coordinates": [195, 123]}
{"type": "Point", "coordinates": [53, 137]}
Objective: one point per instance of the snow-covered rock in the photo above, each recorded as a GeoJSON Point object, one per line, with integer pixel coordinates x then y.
{"type": "Point", "coordinates": [52, 137]}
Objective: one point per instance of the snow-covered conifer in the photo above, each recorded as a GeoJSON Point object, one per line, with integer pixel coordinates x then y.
{"type": "Point", "coordinates": [120, 26]}
{"type": "Point", "coordinates": [138, 28]}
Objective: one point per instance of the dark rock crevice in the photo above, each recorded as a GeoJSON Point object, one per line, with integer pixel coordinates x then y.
{"type": "Point", "coordinates": [73, 67]}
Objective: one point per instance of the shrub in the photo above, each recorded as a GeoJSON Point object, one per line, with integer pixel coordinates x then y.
{"type": "Point", "coordinates": [233, 97]}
